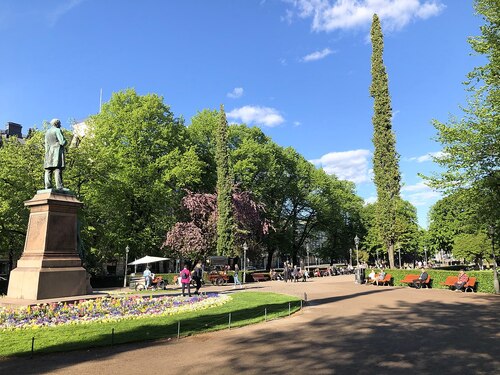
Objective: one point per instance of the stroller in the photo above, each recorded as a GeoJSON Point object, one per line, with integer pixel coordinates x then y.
{"type": "Point", "coordinates": [157, 283]}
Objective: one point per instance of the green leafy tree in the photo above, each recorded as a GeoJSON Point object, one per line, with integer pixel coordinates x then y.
{"type": "Point", "coordinates": [371, 239]}
{"type": "Point", "coordinates": [133, 164]}
{"type": "Point", "coordinates": [385, 158]}
{"type": "Point", "coordinates": [407, 230]}
{"type": "Point", "coordinates": [448, 217]}
{"type": "Point", "coordinates": [203, 134]}
{"type": "Point", "coordinates": [471, 143]}
{"type": "Point", "coordinates": [225, 225]}
{"type": "Point", "coordinates": [21, 175]}
{"type": "Point", "coordinates": [472, 247]}
{"type": "Point", "coordinates": [339, 217]}
{"type": "Point", "coordinates": [301, 203]}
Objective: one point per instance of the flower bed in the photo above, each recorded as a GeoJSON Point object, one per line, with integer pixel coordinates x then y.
{"type": "Point", "coordinates": [103, 310]}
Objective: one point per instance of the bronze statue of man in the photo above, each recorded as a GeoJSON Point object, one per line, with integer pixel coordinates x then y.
{"type": "Point", "coordinates": [54, 155]}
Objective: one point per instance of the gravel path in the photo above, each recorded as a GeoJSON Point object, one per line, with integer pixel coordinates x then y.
{"type": "Point", "coordinates": [344, 329]}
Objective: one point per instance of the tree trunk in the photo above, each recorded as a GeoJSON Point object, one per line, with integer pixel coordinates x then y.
{"type": "Point", "coordinates": [11, 260]}
{"type": "Point", "coordinates": [390, 253]}
{"type": "Point", "coordinates": [270, 253]}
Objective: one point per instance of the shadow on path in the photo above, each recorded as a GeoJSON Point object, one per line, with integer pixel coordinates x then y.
{"type": "Point", "coordinates": [432, 337]}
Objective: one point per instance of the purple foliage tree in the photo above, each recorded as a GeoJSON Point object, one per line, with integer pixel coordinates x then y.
{"type": "Point", "coordinates": [197, 238]}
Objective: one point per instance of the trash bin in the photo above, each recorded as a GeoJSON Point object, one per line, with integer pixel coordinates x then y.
{"type": "Point", "coordinates": [359, 275]}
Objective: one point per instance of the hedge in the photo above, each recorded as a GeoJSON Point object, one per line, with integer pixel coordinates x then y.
{"type": "Point", "coordinates": [484, 279]}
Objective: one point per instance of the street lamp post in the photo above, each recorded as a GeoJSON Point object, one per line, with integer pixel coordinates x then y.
{"type": "Point", "coordinates": [495, 274]}
{"type": "Point", "coordinates": [356, 242]}
{"type": "Point", "coordinates": [127, 249]}
{"type": "Point", "coordinates": [245, 248]}
{"type": "Point", "coordinates": [425, 255]}
{"type": "Point", "coordinates": [350, 257]}
{"type": "Point", "coordinates": [399, 251]}
{"type": "Point", "coordinates": [307, 250]}
{"type": "Point", "coordinates": [378, 262]}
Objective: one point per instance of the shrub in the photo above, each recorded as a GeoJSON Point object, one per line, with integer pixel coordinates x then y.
{"type": "Point", "coordinates": [484, 279]}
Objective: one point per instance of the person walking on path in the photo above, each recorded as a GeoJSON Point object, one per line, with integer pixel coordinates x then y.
{"type": "Point", "coordinates": [185, 276]}
{"type": "Point", "coordinates": [285, 272]}
{"type": "Point", "coordinates": [236, 278]}
{"type": "Point", "coordinates": [295, 273]}
{"type": "Point", "coordinates": [198, 276]}
{"type": "Point", "coordinates": [147, 277]}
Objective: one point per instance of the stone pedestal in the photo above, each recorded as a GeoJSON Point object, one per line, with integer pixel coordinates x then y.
{"type": "Point", "coordinates": [50, 266]}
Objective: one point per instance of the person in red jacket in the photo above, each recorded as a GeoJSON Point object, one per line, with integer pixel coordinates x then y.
{"type": "Point", "coordinates": [185, 276]}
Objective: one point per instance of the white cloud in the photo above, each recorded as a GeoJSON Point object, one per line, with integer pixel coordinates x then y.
{"type": "Point", "coordinates": [63, 8]}
{"type": "Point", "coordinates": [288, 17]}
{"type": "Point", "coordinates": [257, 115]}
{"type": "Point", "coordinates": [420, 194]}
{"type": "Point", "coordinates": [236, 93]}
{"type": "Point", "coordinates": [416, 187]}
{"type": "Point", "coordinates": [350, 14]}
{"type": "Point", "coordinates": [371, 199]}
{"type": "Point", "coordinates": [347, 165]}
{"type": "Point", "coordinates": [297, 123]}
{"type": "Point", "coordinates": [427, 157]}
{"type": "Point", "coordinates": [317, 55]}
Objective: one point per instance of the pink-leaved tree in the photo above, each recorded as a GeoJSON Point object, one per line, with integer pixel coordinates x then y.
{"type": "Point", "coordinates": [197, 238]}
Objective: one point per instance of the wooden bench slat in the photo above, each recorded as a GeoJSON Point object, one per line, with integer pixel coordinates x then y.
{"type": "Point", "coordinates": [409, 278]}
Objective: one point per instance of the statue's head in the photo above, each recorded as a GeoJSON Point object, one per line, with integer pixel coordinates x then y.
{"type": "Point", "coordinates": [55, 122]}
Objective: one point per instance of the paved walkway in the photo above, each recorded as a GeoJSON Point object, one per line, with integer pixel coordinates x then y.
{"type": "Point", "coordinates": [346, 329]}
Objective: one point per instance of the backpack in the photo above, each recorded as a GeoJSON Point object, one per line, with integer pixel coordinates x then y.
{"type": "Point", "coordinates": [184, 275]}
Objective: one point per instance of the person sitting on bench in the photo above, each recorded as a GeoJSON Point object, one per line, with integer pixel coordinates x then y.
{"type": "Point", "coordinates": [380, 277]}
{"type": "Point", "coordinates": [462, 280]}
{"type": "Point", "coordinates": [417, 283]}
{"type": "Point", "coordinates": [371, 276]}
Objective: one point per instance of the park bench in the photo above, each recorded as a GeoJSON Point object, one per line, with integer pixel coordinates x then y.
{"type": "Point", "coordinates": [409, 279]}
{"type": "Point", "coordinates": [218, 277]}
{"type": "Point", "coordinates": [469, 286]}
{"type": "Point", "coordinates": [386, 281]}
{"type": "Point", "coordinates": [260, 277]}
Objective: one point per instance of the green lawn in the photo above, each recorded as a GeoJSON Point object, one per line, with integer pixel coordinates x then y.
{"type": "Point", "coordinates": [245, 308]}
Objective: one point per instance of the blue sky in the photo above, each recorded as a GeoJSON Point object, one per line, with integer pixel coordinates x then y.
{"type": "Point", "coordinates": [298, 69]}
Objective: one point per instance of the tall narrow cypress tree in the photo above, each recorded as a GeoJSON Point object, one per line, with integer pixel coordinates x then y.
{"type": "Point", "coordinates": [224, 206]}
{"type": "Point", "coordinates": [385, 157]}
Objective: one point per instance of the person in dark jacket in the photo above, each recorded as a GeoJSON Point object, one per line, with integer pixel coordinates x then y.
{"type": "Point", "coordinates": [422, 278]}
{"type": "Point", "coordinates": [197, 277]}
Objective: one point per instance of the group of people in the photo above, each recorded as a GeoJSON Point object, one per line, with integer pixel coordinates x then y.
{"type": "Point", "coordinates": [292, 273]}
{"type": "Point", "coordinates": [185, 277]}
{"type": "Point", "coordinates": [295, 273]}
{"type": "Point", "coordinates": [374, 278]}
